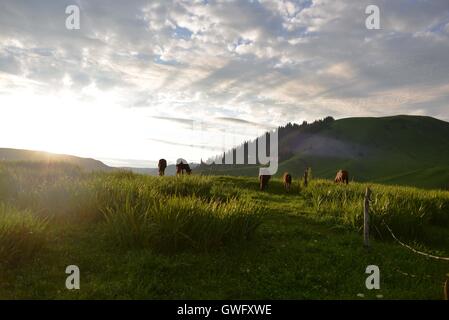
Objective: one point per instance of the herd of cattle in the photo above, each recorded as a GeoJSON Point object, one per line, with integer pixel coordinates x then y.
{"type": "Point", "coordinates": [341, 177]}
{"type": "Point", "coordinates": [182, 166]}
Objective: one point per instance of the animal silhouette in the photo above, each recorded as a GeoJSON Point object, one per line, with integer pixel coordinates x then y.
{"type": "Point", "coordinates": [161, 166]}
{"type": "Point", "coordinates": [287, 181]}
{"type": "Point", "coordinates": [263, 181]}
{"type": "Point", "coordinates": [181, 166]}
{"type": "Point", "coordinates": [342, 177]}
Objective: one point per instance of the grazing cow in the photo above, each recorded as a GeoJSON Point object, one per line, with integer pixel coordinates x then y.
{"type": "Point", "coordinates": [287, 181]}
{"type": "Point", "coordinates": [181, 166]}
{"type": "Point", "coordinates": [342, 177]}
{"type": "Point", "coordinates": [162, 165]}
{"type": "Point", "coordinates": [263, 181]}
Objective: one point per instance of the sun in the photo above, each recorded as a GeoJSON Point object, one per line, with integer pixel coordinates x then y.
{"type": "Point", "coordinates": [96, 126]}
{"type": "Point", "coordinates": [58, 124]}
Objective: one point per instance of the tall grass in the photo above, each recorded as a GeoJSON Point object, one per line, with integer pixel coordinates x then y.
{"type": "Point", "coordinates": [49, 190]}
{"type": "Point", "coordinates": [21, 235]}
{"type": "Point", "coordinates": [176, 223]}
{"type": "Point", "coordinates": [205, 187]}
{"type": "Point", "coordinates": [409, 211]}
{"type": "Point", "coordinates": [165, 215]}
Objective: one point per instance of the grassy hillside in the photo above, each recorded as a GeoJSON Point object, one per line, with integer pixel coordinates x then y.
{"type": "Point", "coordinates": [416, 137]}
{"type": "Point", "coordinates": [86, 164]}
{"type": "Point", "coordinates": [18, 155]}
{"type": "Point", "coordinates": [198, 237]}
{"type": "Point", "coordinates": [404, 150]}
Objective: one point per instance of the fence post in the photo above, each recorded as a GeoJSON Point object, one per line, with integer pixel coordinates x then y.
{"type": "Point", "coordinates": [366, 218]}
{"type": "Point", "coordinates": [446, 290]}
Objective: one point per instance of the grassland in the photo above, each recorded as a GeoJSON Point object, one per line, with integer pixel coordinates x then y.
{"type": "Point", "coordinates": [202, 237]}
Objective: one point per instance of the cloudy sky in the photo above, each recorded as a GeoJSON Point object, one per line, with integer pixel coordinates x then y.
{"type": "Point", "coordinates": [142, 80]}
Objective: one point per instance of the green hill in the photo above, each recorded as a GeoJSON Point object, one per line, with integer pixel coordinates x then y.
{"type": "Point", "coordinates": [18, 155]}
{"type": "Point", "coordinates": [405, 150]}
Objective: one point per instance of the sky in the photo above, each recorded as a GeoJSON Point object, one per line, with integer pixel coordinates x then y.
{"type": "Point", "coordinates": [143, 80]}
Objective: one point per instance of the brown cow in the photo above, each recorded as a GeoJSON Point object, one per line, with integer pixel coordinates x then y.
{"type": "Point", "coordinates": [287, 181]}
{"type": "Point", "coordinates": [181, 167]}
{"type": "Point", "coordinates": [263, 181]}
{"type": "Point", "coordinates": [342, 177]}
{"type": "Point", "coordinates": [162, 165]}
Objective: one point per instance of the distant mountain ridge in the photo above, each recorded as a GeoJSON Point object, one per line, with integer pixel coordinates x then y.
{"type": "Point", "coordinates": [88, 164]}
{"type": "Point", "coordinates": [406, 150]}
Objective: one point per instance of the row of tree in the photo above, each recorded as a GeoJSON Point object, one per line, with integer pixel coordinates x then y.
{"type": "Point", "coordinates": [286, 134]}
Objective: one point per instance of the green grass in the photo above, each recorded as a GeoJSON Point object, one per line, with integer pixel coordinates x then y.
{"type": "Point", "coordinates": [170, 224]}
{"type": "Point", "coordinates": [140, 237]}
{"type": "Point", "coordinates": [21, 236]}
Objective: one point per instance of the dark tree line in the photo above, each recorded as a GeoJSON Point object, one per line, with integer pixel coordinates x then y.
{"type": "Point", "coordinates": [284, 133]}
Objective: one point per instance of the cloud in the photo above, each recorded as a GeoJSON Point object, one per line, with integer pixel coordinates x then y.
{"type": "Point", "coordinates": [241, 122]}
{"type": "Point", "coordinates": [265, 61]}
{"type": "Point", "coordinates": [191, 145]}
{"type": "Point", "coordinates": [187, 123]}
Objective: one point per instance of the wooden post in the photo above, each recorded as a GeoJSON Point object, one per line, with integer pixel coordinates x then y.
{"type": "Point", "coordinates": [446, 290]}
{"type": "Point", "coordinates": [366, 218]}
{"type": "Point", "coordinates": [306, 173]}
